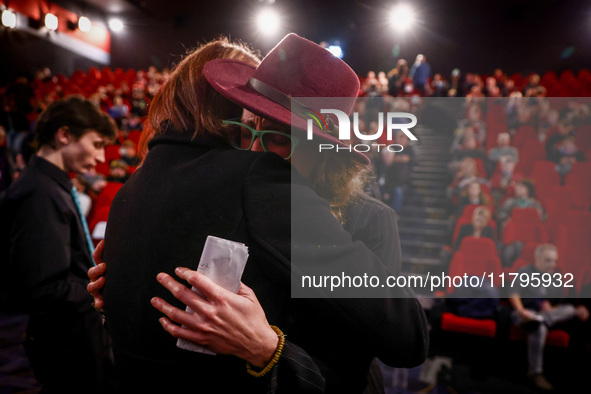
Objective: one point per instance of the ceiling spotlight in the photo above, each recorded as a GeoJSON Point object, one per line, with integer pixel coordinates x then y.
{"type": "Point", "coordinates": [84, 24]}
{"type": "Point", "coordinates": [336, 50]}
{"type": "Point", "coordinates": [402, 17]}
{"type": "Point", "coordinates": [9, 19]}
{"type": "Point", "coordinates": [116, 25]}
{"type": "Point", "coordinates": [268, 21]}
{"type": "Point", "coordinates": [51, 22]}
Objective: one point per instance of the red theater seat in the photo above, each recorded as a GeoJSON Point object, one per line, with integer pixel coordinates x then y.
{"type": "Point", "coordinates": [467, 325]}
{"type": "Point", "coordinates": [557, 338]}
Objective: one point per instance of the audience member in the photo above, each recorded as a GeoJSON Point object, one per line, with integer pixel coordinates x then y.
{"type": "Point", "coordinates": [536, 309]}
{"type": "Point", "coordinates": [524, 198]}
{"type": "Point", "coordinates": [503, 148]}
{"type": "Point", "coordinates": [118, 171]}
{"type": "Point", "coordinates": [129, 153]}
{"type": "Point", "coordinates": [420, 73]}
{"type": "Point", "coordinates": [47, 251]}
{"type": "Point", "coordinates": [397, 77]}
{"type": "Point", "coordinates": [472, 194]}
{"type": "Point", "coordinates": [478, 228]}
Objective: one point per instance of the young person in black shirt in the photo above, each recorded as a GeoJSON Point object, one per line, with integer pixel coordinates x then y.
{"type": "Point", "coordinates": [46, 251]}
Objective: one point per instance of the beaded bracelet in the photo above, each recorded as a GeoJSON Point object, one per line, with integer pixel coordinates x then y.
{"type": "Point", "coordinates": [275, 358]}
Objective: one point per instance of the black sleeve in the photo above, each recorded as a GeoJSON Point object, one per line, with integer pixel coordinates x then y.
{"type": "Point", "coordinates": [40, 255]}
{"type": "Point", "coordinates": [297, 372]}
{"type": "Point", "coordinates": [392, 324]}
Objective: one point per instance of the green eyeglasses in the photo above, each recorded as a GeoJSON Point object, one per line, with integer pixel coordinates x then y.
{"type": "Point", "coordinates": [277, 142]}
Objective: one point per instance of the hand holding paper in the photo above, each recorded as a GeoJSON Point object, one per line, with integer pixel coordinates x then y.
{"type": "Point", "coordinates": [223, 322]}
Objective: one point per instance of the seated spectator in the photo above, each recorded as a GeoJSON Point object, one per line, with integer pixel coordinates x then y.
{"type": "Point", "coordinates": [565, 129]}
{"type": "Point", "coordinates": [469, 148]}
{"type": "Point", "coordinates": [439, 86]}
{"type": "Point", "coordinates": [85, 201]}
{"type": "Point", "coordinates": [118, 110]}
{"type": "Point", "coordinates": [504, 179]}
{"type": "Point", "coordinates": [467, 174]}
{"type": "Point", "coordinates": [472, 195]}
{"type": "Point", "coordinates": [129, 154]}
{"type": "Point", "coordinates": [532, 86]}
{"type": "Point", "coordinates": [382, 87]}
{"type": "Point", "coordinates": [138, 103]}
{"type": "Point", "coordinates": [478, 228]}
{"type": "Point", "coordinates": [503, 148]}
{"type": "Point", "coordinates": [95, 181]}
{"type": "Point", "coordinates": [118, 172]}
{"type": "Point", "coordinates": [370, 81]}
{"type": "Point", "coordinates": [538, 308]}
{"type": "Point", "coordinates": [524, 198]}
{"type": "Point", "coordinates": [565, 155]}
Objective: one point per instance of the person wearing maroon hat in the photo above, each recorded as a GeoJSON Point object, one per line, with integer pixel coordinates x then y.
{"type": "Point", "coordinates": [190, 186]}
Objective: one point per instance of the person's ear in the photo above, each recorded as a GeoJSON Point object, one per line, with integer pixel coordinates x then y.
{"type": "Point", "coordinates": [63, 136]}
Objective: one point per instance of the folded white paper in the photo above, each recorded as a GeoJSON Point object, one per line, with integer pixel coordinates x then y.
{"type": "Point", "coordinates": [223, 262]}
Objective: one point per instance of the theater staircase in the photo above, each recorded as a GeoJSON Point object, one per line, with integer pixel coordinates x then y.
{"type": "Point", "coordinates": [424, 224]}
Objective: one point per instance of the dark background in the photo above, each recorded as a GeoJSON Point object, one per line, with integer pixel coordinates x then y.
{"type": "Point", "coordinates": [520, 36]}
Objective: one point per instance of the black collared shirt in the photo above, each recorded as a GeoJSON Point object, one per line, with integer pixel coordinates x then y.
{"type": "Point", "coordinates": [44, 256]}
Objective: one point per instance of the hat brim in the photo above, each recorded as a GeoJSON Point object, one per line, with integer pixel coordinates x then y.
{"type": "Point", "coordinates": [230, 77]}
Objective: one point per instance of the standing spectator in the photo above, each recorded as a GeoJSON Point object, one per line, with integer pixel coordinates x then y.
{"type": "Point", "coordinates": [388, 176]}
{"type": "Point", "coordinates": [538, 308]}
{"type": "Point", "coordinates": [397, 77]}
{"type": "Point", "coordinates": [46, 252]}
{"type": "Point", "coordinates": [420, 73]}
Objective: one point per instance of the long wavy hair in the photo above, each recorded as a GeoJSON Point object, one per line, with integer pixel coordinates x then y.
{"type": "Point", "coordinates": [187, 102]}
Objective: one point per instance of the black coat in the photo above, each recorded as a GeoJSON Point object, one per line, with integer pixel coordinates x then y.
{"type": "Point", "coordinates": [160, 219]}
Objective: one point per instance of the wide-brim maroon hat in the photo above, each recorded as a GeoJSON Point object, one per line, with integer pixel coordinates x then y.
{"type": "Point", "coordinates": [295, 68]}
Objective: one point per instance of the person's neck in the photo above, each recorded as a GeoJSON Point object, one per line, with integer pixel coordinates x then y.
{"type": "Point", "coordinates": [53, 156]}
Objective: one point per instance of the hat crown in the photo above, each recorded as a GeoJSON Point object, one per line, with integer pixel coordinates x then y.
{"type": "Point", "coordinates": [300, 68]}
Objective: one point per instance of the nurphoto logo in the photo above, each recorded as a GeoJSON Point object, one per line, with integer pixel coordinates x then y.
{"type": "Point", "coordinates": [392, 121]}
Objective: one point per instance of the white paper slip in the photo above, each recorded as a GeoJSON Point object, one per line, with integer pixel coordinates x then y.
{"type": "Point", "coordinates": [223, 262]}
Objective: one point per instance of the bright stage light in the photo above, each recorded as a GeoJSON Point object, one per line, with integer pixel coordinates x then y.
{"type": "Point", "coordinates": [9, 19]}
{"type": "Point", "coordinates": [51, 22]}
{"type": "Point", "coordinates": [116, 25]}
{"type": "Point", "coordinates": [336, 50]}
{"type": "Point", "coordinates": [84, 24]}
{"type": "Point", "coordinates": [268, 21]}
{"type": "Point", "coordinates": [402, 17]}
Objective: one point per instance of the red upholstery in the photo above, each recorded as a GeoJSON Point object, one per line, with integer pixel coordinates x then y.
{"type": "Point", "coordinates": [583, 137]}
{"type": "Point", "coordinates": [524, 231]}
{"type": "Point", "coordinates": [545, 175]}
{"type": "Point", "coordinates": [100, 214]}
{"type": "Point", "coordinates": [112, 153]}
{"type": "Point", "coordinates": [102, 168]}
{"type": "Point", "coordinates": [557, 338]}
{"type": "Point", "coordinates": [528, 154]}
{"type": "Point", "coordinates": [135, 136]}
{"type": "Point", "coordinates": [107, 195]}
{"type": "Point", "coordinates": [467, 325]}
{"type": "Point", "coordinates": [524, 134]}
{"type": "Point", "coordinates": [475, 246]}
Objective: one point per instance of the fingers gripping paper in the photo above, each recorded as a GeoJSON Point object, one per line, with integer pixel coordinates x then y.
{"type": "Point", "coordinates": [223, 262]}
